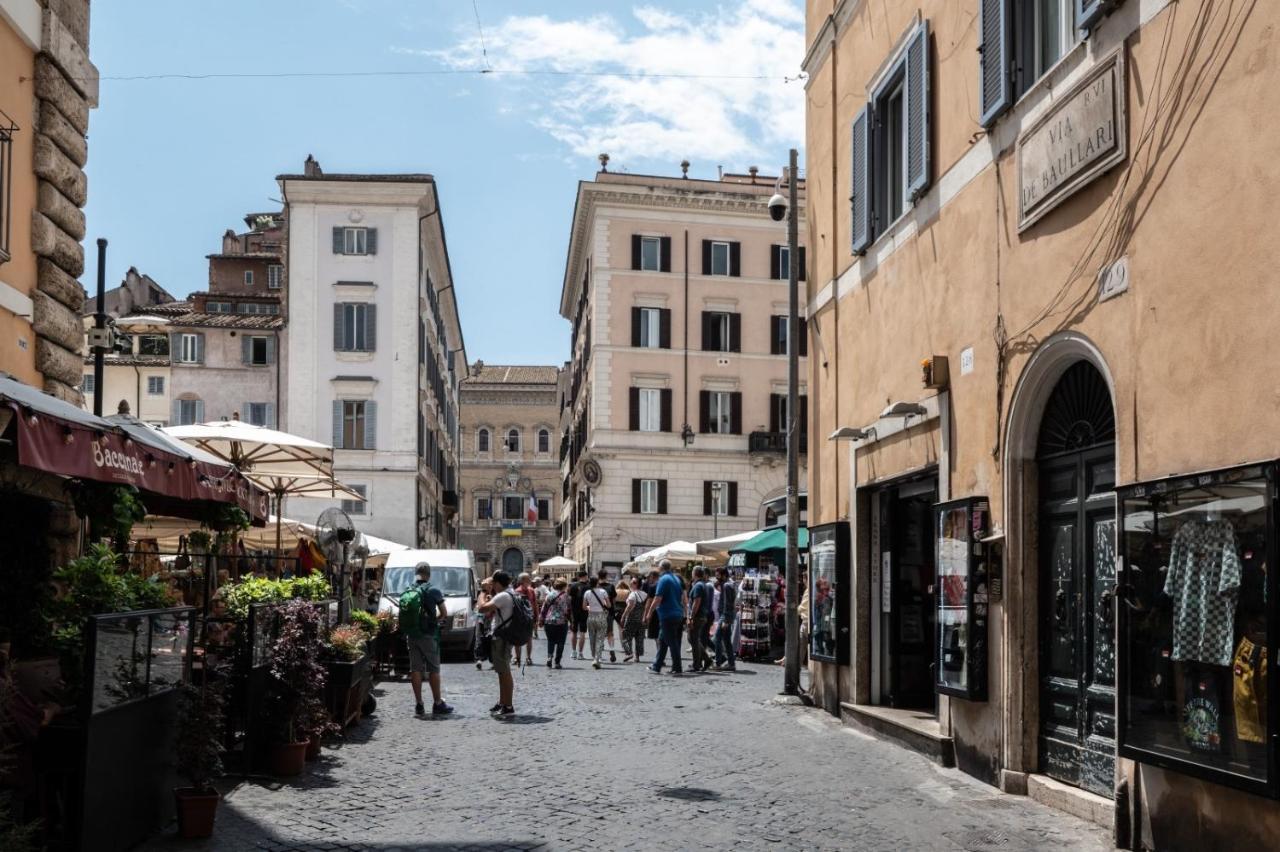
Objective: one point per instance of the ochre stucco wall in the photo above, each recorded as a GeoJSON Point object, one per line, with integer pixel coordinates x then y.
{"type": "Point", "coordinates": [17, 101]}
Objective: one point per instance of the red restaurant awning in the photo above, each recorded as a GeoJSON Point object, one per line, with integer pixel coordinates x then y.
{"type": "Point", "coordinates": [59, 438]}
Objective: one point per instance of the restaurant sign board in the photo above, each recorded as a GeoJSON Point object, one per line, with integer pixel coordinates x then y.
{"type": "Point", "coordinates": [1080, 137]}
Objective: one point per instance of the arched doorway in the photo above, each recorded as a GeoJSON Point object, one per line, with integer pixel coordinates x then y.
{"type": "Point", "coordinates": [1075, 463]}
{"type": "Point", "coordinates": [513, 561]}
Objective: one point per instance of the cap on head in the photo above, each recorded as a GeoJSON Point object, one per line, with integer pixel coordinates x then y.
{"type": "Point", "coordinates": [423, 571]}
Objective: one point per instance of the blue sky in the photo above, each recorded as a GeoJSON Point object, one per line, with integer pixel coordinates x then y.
{"type": "Point", "coordinates": [175, 162]}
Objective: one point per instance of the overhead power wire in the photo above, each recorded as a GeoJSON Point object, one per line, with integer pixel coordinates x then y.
{"type": "Point", "coordinates": [276, 75]}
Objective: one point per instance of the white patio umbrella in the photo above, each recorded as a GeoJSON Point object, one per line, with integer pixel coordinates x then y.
{"type": "Point", "coordinates": [677, 551]}
{"type": "Point", "coordinates": [557, 565]}
{"type": "Point", "coordinates": [722, 545]}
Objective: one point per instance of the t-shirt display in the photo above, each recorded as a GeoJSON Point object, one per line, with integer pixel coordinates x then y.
{"type": "Point", "coordinates": [1203, 582]}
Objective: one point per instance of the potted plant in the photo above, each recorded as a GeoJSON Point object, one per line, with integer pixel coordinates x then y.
{"type": "Point", "coordinates": [299, 684]}
{"type": "Point", "coordinates": [198, 752]}
{"type": "Point", "coordinates": [348, 672]}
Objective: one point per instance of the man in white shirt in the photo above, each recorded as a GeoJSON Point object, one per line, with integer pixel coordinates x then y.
{"type": "Point", "coordinates": [501, 605]}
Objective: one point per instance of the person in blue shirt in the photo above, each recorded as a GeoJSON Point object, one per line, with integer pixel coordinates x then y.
{"type": "Point", "coordinates": [699, 615]}
{"type": "Point", "coordinates": [668, 603]}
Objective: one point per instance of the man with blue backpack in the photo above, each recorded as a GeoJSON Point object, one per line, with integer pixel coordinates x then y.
{"type": "Point", "coordinates": [422, 609]}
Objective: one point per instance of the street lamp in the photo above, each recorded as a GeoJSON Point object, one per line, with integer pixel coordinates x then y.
{"type": "Point", "coordinates": [716, 489]}
{"type": "Point", "coordinates": [779, 208]}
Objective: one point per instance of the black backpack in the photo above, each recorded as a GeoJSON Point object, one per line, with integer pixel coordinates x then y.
{"type": "Point", "coordinates": [516, 629]}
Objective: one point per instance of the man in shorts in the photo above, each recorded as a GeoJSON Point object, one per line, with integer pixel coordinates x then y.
{"type": "Point", "coordinates": [424, 649]}
{"type": "Point", "coordinates": [578, 616]}
{"type": "Point", "coordinates": [501, 604]}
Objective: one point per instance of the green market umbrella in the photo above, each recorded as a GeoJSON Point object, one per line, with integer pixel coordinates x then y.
{"type": "Point", "coordinates": [774, 539]}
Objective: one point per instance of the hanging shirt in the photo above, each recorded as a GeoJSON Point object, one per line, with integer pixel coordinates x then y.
{"type": "Point", "coordinates": [1204, 584]}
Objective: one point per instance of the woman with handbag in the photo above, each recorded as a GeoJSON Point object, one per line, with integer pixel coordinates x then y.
{"type": "Point", "coordinates": [555, 620]}
{"type": "Point", "coordinates": [599, 619]}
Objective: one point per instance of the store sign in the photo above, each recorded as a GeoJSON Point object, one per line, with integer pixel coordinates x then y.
{"type": "Point", "coordinates": [1081, 136]}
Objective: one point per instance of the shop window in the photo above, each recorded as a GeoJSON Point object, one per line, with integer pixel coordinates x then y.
{"type": "Point", "coordinates": [964, 593]}
{"type": "Point", "coordinates": [1195, 602]}
{"type": "Point", "coordinates": [828, 578]}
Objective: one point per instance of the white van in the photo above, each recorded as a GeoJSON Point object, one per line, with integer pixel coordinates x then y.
{"type": "Point", "coordinates": [453, 573]}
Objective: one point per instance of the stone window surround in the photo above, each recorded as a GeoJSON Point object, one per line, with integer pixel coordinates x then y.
{"type": "Point", "coordinates": [650, 380]}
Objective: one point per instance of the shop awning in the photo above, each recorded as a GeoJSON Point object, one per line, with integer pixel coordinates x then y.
{"type": "Point", "coordinates": [59, 438]}
{"type": "Point", "coordinates": [774, 539]}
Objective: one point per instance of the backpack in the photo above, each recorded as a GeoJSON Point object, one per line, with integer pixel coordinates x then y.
{"type": "Point", "coordinates": [414, 619]}
{"type": "Point", "coordinates": [517, 629]}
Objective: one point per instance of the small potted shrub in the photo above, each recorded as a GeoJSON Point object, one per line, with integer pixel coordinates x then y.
{"type": "Point", "coordinates": [348, 672]}
{"type": "Point", "coordinates": [198, 753]}
{"type": "Point", "coordinates": [299, 679]}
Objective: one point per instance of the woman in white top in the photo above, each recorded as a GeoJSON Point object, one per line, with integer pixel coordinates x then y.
{"type": "Point", "coordinates": [595, 601]}
{"type": "Point", "coordinates": [633, 628]}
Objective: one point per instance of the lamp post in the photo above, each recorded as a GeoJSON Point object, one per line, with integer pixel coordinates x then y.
{"type": "Point", "coordinates": [779, 207]}
{"type": "Point", "coordinates": [716, 489]}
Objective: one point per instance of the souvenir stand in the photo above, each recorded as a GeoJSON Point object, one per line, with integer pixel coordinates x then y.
{"type": "Point", "coordinates": [756, 591]}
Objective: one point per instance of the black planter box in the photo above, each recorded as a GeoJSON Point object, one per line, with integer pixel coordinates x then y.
{"type": "Point", "coordinates": [348, 684]}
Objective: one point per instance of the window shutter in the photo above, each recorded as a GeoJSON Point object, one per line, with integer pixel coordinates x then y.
{"type": "Point", "coordinates": [664, 250]}
{"type": "Point", "coordinates": [636, 315]}
{"type": "Point", "coordinates": [775, 409]}
{"type": "Point", "coordinates": [860, 169]}
{"type": "Point", "coordinates": [635, 496]}
{"type": "Point", "coordinates": [916, 107]}
{"type": "Point", "coordinates": [175, 347]}
{"type": "Point", "coordinates": [371, 328]}
{"type": "Point", "coordinates": [1089, 12]}
{"type": "Point", "coordinates": [707, 333]}
{"type": "Point", "coordinates": [662, 496]}
{"type": "Point", "coordinates": [995, 51]}
{"type": "Point", "coordinates": [664, 328]}
{"type": "Point", "coordinates": [733, 500]}
{"type": "Point", "coordinates": [735, 413]}
{"type": "Point", "coordinates": [338, 342]}
{"type": "Point", "coordinates": [665, 396]}
{"type": "Point", "coordinates": [271, 415]}
{"type": "Point", "coordinates": [371, 425]}
{"type": "Point", "coordinates": [337, 424]}
{"type": "Point", "coordinates": [338, 245]}
{"type": "Point", "coordinates": [804, 338]}
{"type": "Point", "coordinates": [735, 260]}
{"type": "Point", "coordinates": [636, 244]}
{"type": "Point", "coordinates": [804, 415]}
{"type": "Point", "coordinates": [271, 350]}
{"type": "Point", "coordinates": [199, 411]}
{"type": "Point", "coordinates": [704, 411]}
{"type": "Point", "coordinates": [200, 350]}
{"type": "Point", "coordinates": [706, 257]}
{"type": "Point", "coordinates": [175, 413]}
{"type": "Point", "coordinates": [775, 335]}
{"type": "Point", "coordinates": [371, 240]}
{"type": "Point", "coordinates": [246, 349]}
{"type": "Point", "coordinates": [735, 333]}
{"type": "Point", "coordinates": [775, 262]}
{"type": "Point", "coordinates": [801, 268]}
{"type": "Point", "coordinates": [706, 497]}
{"type": "Point", "coordinates": [634, 397]}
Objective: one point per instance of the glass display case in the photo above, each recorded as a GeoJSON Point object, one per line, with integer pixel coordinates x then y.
{"type": "Point", "coordinates": [1197, 626]}
{"type": "Point", "coordinates": [828, 582]}
{"type": "Point", "coordinates": [962, 596]}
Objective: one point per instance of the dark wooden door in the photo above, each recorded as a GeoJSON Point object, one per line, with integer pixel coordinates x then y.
{"type": "Point", "coordinates": [1077, 580]}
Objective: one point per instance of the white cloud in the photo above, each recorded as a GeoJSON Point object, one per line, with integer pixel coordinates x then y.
{"type": "Point", "coordinates": [715, 118]}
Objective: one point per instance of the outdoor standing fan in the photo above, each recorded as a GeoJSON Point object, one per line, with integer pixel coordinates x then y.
{"type": "Point", "coordinates": [334, 534]}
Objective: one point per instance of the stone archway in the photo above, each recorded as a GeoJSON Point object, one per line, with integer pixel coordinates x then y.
{"type": "Point", "coordinates": [513, 561]}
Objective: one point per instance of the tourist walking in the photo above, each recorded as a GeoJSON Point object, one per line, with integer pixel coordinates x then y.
{"type": "Point", "coordinates": [633, 624]}
{"type": "Point", "coordinates": [524, 588]}
{"type": "Point", "coordinates": [422, 608]}
{"type": "Point", "coordinates": [578, 616]}
{"type": "Point", "coordinates": [555, 621]}
{"type": "Point", "coordinates": [726, 615]}
{"type": "Point", "coordinates": [699, 614]}
{"type": "Point", "coordinates": [667, 604]}
{"type": "Point", "coordinates": [480, 645]}
{"type": "Point", "coordinates": [605, 586]}
{"type": "Point", "coordinates": [512, 627]}
{"type": "Point", "coordinates": [650, 587]}
{"type": "Point", "coordinates": [595, 602]}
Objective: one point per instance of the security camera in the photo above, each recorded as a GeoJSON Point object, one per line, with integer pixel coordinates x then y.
{"type": "Point", "coordinates": [777, 207]}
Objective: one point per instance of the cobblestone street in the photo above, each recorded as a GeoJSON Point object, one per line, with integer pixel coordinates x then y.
{"type": "Point", "coordinates": [621, 759]}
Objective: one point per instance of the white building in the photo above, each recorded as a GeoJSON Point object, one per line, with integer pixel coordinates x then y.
{"type": "Point", "coordinates": [375, 351]}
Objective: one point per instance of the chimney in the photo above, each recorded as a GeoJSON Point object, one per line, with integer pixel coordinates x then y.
{"type": "Point", "coordinates": [753, 171]}
{"type": "Point", "coordinates": [230, 242]}
{"type": "Point", "coordinates": [311, 167]}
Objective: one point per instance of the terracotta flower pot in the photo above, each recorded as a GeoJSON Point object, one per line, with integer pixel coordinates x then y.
{"type": "Point", "coordinates": [287, 759]}
{"type": "Point", "coordinates": [196, 810]}
{"type": "Point", "coordinates": [313, 748]}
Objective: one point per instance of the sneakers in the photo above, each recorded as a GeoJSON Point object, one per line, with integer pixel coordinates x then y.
{"type": "Point", "coordinates": [548, 662]}
{"type": "Point", "coordinates": [559, 666]}
{"type": "Point", "coordinates": [495, 708]}
{"type": "Point", "coordinates": [628, 658]}
{"type": "Point", "coordinates": [505, 712]}
{"type": "Point", "coordinates": [652, 670]}
{"type": "Point", "coordinates": [479, 665]}
{"type": "Point", "coordinates": [613, 658]}
{"type": "Point", "coordinates": [419, 710]}
{"type": "Point", "coordinates": [441, 709]}
{"type": "Point", "coordinates": [596, 664]}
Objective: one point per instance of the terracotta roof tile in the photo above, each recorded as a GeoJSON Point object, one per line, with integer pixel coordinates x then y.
{"type": "Point", "coordinates": [509, 374]}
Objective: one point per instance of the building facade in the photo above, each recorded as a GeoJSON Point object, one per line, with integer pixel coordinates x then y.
{"type": "Point", "coordinates": [674, 401]}
{"type": "Point", "coordinates": [1025, 362]}
{"type": "Point", "coordinates": [510, 472]}
{"type": "Point", "coordinates": [375, 352]}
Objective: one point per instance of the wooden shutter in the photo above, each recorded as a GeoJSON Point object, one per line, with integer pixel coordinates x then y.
{"type": "Point", "coordinates": [735, 333]}
{"type": "Point", "coordinates": [733, 499]}
{"type": "Point", "coordinates": [706, 257]}
{"type": "Point", "coordinates": [775, 335]}
{"type": "Point", "coordinates": [200, 350]}
{"type": "Point", "coordinates": [665, 397]}
{"type": "Point", "coordinates": [706, 497]}
{"type": "Point", "coordinates": [199, 411]}
{"type": "Point", "coordinates": [339, 247]}
{"type": "Point", "coordinates": [916, 109]}
{"type": "Point", "coordinates": [775, 409]}
{"type": "Point", "coordinates": [775, 262]}
{"type": "Point", "coordinates": [1089, 12]}
{"type": "Point", "coordinates": [371, 240]}
{"type": "Point", "coordinates": [995, 50]}
{"type": "Point", "coordinates": [707, 332]}
{"type": "Point", "coordinates": [636, 316]}
{"type": "Point", "coordinates": [664, 328]}
{"type": "Point", "coordinates": [635, 496]}
{"type": "Point", "coordinates": [662, 496]}
{"type": "Point", "coordinates": [860, 170]}
{"type": "Point", "coordinates": [664, 250]}
{"type": "Point", "coordinates": [735, 413]}
{"type": "Point", "coordinates": [801, 268]}
{"type": "Point", "coordinates": [371, 425]}
{"type": "Point", "coordinates": [271, 415]}
{"type": "Point", "coordinates": [636, 249]}
{"type": "Point", "coordinates": [337, 424]}
{"type": "Point", "coordinates": [246, 349]}
{"type": "Point", "coordinates": [634, 397]}
{"type": "Point", "coordinates": [339, 344]}
{"type": "Point", "coordinates": [735, 260]}
{"type": "Point", "coordinates": [371, 328]}
{"type": "Point", "coordinates": [804, 415]}
{"type": "Point", "coordinates": [271, 350]}
{"type": "Point", "coordinates": [175, 348]}
{"type": "Point", "coordinates": [704, 411]}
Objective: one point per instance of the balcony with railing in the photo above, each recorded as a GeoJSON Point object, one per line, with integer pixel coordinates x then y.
{"type": "Point", "coordinates": [774, 442]}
